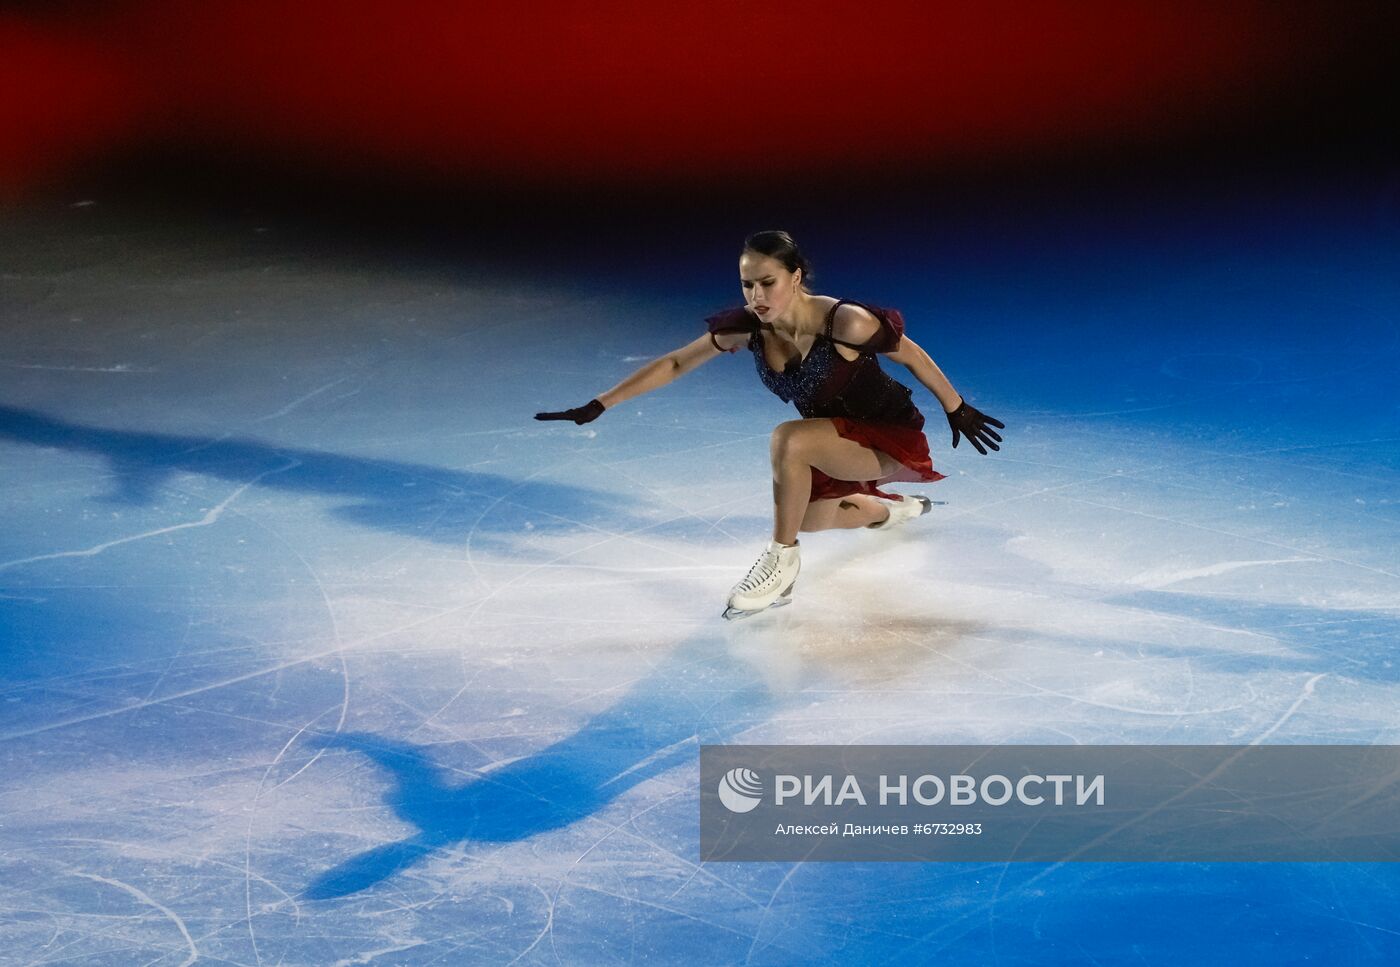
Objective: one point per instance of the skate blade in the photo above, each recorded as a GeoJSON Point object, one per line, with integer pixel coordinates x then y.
{"type": "Point", "coordinates": [734, 614]}
{"type": "Point", "coordinates": [929, 504]}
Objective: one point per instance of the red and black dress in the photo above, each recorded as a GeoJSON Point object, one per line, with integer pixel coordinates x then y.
{"type": "Point", "coordinates": [862, 401]}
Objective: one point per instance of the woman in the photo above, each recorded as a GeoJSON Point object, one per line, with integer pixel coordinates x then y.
{"type": "Point", "coordinates": [859, 429]}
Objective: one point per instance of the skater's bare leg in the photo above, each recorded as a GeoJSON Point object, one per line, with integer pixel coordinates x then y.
{"type": "Point", "coordinates": [855, 510]}
{"type": "Point", "coordinates": [799, 445]}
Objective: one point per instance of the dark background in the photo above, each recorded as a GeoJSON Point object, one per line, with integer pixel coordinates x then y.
{"type": "Point", "coordinates": [545, 113]}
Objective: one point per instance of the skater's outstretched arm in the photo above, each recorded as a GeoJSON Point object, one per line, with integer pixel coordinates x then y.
{"type": "Point", "coordinates": [855, 325]}
{"type": "Point", "coordinates": [653, 375]}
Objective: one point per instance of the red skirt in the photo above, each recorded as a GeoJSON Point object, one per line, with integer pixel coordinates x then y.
{"type": "Point", "coordinates": [907, 445]}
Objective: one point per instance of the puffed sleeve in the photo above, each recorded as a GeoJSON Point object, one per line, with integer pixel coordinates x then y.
{"type": "Point", "coordinates": [729, 322]}
{"type": "Point", "coordinates": [891, 331]}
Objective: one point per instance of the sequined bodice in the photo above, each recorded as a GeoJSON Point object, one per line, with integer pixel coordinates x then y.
{"type": "Point", "coordinates": [825, 384]}
{"type": "Point", "coordinates": [799, 382]}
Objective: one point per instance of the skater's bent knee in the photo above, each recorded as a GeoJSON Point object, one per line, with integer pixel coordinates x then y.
{"type": "Point", "coordinates": [786, 437]}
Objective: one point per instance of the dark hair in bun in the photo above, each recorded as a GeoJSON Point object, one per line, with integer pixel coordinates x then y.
{"type": "Point", "coordinates": [780, 246]}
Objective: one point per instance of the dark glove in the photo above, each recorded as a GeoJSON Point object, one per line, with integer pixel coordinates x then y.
{"type": "Point", "coordinates": [970, 422]}
{"type": "Point", "coordinates": [586, 413]}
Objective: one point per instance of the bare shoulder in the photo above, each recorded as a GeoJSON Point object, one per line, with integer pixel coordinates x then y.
{"type": "Point", "coordinates": [854, 324]}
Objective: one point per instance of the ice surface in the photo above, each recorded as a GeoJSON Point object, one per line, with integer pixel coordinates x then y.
{"type": "Point", "coordinates": [317, 650]}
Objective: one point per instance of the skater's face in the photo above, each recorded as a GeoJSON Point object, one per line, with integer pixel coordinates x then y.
{"type": "Point", "coordinates": [769, 287]}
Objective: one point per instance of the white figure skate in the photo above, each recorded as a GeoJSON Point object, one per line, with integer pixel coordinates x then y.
{"type": "Point", "coordinates": [769, 582]}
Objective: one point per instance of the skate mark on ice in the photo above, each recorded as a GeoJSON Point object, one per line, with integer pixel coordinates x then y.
{"type": "Point", "coordinates": [145, 898]}
{"type": "Point", "coordinates": [1163, 577]}
{"type": "Point", "coordinates": [211, 517]}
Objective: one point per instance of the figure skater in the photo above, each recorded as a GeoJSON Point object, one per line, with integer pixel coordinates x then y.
{"type": "Point", "coordinates": [859, 428]}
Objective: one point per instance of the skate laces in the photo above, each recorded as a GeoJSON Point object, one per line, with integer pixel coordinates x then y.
{"type": "Point", "coordinates": [761, 573]}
